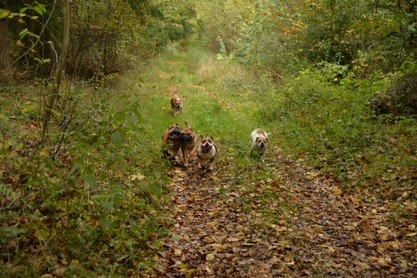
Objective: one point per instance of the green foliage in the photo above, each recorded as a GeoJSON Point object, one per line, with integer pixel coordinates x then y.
{"type": "Point", "coordinates": [38, 8]}
{"type": "Point", "coordinates": [281, 37]}
{"type": "Point", "coordinates": [25, 21]}
{"type": "Point", "coordinates": [224, 19]}
{"type": "Point", "coordinates": [104, 34]}
{"type": "Point", "coordinates": [319, 114]}
{"type": "Point", "coordinates": [6, 192]}
{"type": "Point", "coordinates": [101, 33]}
{"type": "Point", "coordinates": [86, 191]}
{"type": "Point", "coordinates": [376, 35]}
{"type": "Point", "coordinates": [327, 30]}
{"type": "Point", "coordinates": [268, 40]}
{"type": "Point", "coordinates": [331, 126]}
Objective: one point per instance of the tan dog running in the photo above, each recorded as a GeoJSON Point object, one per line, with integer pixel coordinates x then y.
{"type": "Point", "coordinates": [188, 144]}
{"type": "Point", "coordinates": [171, 137]}
{"type": "Point", "coordinates": [176, 102]}
{"type": "Point", "coordinates": [206, 152]}
{"type": "Point", "coordinates": [259, 141]}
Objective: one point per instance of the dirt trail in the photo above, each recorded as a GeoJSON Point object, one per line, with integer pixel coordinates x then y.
{"type": "Point", "coordinates": [212, 235]}
{"type": "Point", "coordinates": [219, 228]}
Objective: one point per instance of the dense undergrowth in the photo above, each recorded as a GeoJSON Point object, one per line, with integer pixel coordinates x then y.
{"type": "Point", "coordinates": [91, 200]}
{"type": "Point", "coordinates": [333, 128]}
{"type": "Point", "coordinates": [87, 202]}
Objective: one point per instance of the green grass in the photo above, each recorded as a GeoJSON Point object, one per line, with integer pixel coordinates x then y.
{"type": "Point", "coordinates": [209, 107]}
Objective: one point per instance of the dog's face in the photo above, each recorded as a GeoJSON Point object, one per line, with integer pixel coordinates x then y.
{"type": "Point", "coordinates": [261, 142]}
{"type": "Point", "coordinates": [188, 144]}
{"type": "Point", "coordinates": [171, 138]}
{"type": "Point", "coordinates": [187, 135]}
{"type": "Point", "coordinates": [206, 144]}
{"type": "Point", "coordinates": [176, 102]}
{"type": "Point", "coordinates": [174, 132]}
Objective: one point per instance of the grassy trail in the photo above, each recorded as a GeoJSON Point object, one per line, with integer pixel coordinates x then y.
{"type": "Point", "coordinates": [208, 108]}
{"type": "Point", "coordinates": [257, 219]}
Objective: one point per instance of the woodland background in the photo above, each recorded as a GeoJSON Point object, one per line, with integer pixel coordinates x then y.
{"type": "Point", "coordinates": [334, 79]}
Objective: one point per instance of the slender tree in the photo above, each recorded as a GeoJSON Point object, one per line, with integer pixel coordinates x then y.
{"type": "Point", "coordinates": [4, 43]}
{"type": "Point", "coordinates": [59, 71]}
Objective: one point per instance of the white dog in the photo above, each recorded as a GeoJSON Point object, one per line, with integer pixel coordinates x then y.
{"type": "Point", "coordinates": [259, 141]}
{"type": "Point", "coordinates": [206, 153]}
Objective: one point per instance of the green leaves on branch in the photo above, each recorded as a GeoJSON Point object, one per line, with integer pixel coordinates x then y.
{"type": "Point", "coordinates": [4, 13]}
{"type": "Point", "coordinates": [39, 9]}
{"type": "Point", "coordinates": [25, 32]}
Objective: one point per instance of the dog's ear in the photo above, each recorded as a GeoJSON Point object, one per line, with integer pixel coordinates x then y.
{"type": "Point", "coordinates": [211, 137]}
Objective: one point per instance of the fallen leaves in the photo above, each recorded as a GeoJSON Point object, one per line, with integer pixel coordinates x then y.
{"type": "Point", "coordinates": [299, 224]}
{"type": "Point", "coordinates": [221, 230]}
{"type": "Point", "coordinates": [384, 261]}
{"type": "Point", "coordinates": [210, 257]}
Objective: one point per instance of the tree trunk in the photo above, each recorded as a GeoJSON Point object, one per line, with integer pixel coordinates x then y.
{"type": "Point", "coordinates": [4, 44]}
{"type": "Point", "coordinates": [50, 102]}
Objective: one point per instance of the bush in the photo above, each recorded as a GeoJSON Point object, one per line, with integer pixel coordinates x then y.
{"type": "Point", "coordinates": [319, 120]}
{"type": "Point", "coordinates": [400, 99]}
{"type": "Point", "coordinates": [331, 127]}
{"type": "Point", "coordinates": [82, 204]}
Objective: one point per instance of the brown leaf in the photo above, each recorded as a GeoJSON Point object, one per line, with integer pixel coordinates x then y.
{"type": "Point", "coordinates": [362, 265]}
{"type": "Point", "coordinates": [210, 257]}
{"type": "Point", "coordinates": [384, 261]}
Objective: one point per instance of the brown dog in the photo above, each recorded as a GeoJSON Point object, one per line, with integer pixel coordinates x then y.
{"type": "Point", "coordinates": [188, 144]}
{"type": "Point", "coordinates": [206, 152]}
{"type": "Point", "coordinates": [171, 137]}
{"type": "Point", "coordinates": [176, 102]}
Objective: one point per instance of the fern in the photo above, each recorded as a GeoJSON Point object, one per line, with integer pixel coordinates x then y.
{"type": "Point", "coordinates": [7, 192]}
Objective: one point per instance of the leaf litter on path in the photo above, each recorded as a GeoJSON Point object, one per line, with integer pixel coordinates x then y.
{"type": "Point", "coordinates": [292, 223]}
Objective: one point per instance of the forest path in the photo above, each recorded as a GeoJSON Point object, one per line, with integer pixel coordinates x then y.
{"type": "Point", "coordinates": [272, 218]}
{"type": "Point", "coordinates": [308, 228]}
